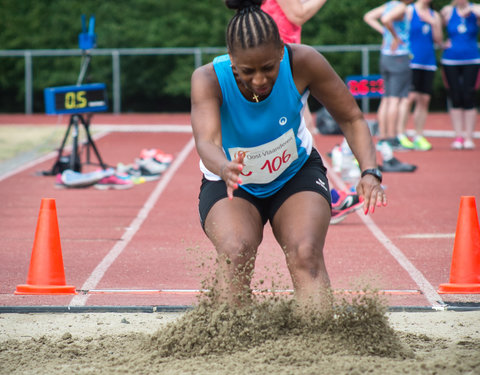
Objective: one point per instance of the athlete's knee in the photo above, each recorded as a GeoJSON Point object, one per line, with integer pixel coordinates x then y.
{"type": "Point", "coordinates": [237, 253]}
{"type": "Point", "coordinates": [306, 255]}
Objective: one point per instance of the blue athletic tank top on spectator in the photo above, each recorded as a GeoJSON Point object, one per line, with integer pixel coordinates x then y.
{"type": "Point", "coordinates": [271, 133]}
{"type": "Point", "coordinates": [462, 32]}
{"type": "Point", "coordinates": [421, 43]}
{"type": "Point", "coordinates": [401, 28]}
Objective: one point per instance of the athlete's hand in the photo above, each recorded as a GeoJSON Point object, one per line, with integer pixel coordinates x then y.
{"type": "Point", "coordinates": [397, 42]}
{"type": "Point", "coordinates": [230, 173]}
{"type": "Point", "coordinates": [370, 189]}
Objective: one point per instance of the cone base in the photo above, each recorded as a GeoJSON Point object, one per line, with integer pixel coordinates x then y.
{"type": "Point", "coordinates": [457, 288]}
{"type": "Point", "coordinates": [45, 289]}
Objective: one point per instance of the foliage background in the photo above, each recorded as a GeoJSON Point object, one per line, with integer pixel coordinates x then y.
{"type": "Point", "coordinates": [153, 83]}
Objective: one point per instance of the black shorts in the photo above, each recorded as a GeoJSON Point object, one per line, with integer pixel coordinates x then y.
{"type": "Point", "coordinates": [422, 81]}
{"type": "Point", "coordinates": [311, 177]}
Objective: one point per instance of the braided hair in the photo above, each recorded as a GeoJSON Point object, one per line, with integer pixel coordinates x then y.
{"type": "Point", "coordinates": [250, 26]}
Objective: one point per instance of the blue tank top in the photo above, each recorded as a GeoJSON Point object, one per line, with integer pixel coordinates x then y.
{"type": "Point", "coordinates": [401, 28]}
{"type": "Point", "coordinates": [421, 43]}
{"type": "Point", "coordinates": [272, 133]}
{"type": "Point", "coordinates": [463, 36]}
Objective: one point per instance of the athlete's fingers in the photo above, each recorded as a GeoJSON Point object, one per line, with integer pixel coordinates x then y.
{"type": "Point", "coordinates": [231, 176]}
{"type": "Point", "coordinates": [240, 157]}
{"type": "Point", "coordinates": [230, 192]}
{"type": "Point", "coordinates": [377, 198]}
{"type": "Point", "coordinates": [372, 193]}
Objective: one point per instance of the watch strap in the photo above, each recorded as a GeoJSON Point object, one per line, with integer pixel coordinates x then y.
{"type": "Point", "coordinates": [374, 172]}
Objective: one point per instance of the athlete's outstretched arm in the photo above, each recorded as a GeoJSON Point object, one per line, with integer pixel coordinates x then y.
{"type": "Point", "coordinates": [311, 70]}
{"type": "Point", "coordinates": [205, 117]}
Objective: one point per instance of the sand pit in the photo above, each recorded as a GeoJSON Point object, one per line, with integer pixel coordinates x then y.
{"type": "Point", "coordinates": [206, 342]}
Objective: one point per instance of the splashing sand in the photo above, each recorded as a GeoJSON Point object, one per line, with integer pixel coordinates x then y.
{"type": "Point", "coordinates": [267, 337]}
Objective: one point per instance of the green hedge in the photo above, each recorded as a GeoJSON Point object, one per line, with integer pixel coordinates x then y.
{"type": "Point", "coordinates": [150, 83]}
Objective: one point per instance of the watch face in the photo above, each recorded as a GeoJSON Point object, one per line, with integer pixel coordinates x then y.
{"type": "Point", "coordinates": [374, 172]}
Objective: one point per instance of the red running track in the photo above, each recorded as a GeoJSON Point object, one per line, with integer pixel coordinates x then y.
{"type": "Point", "coordinates": [145, 246]}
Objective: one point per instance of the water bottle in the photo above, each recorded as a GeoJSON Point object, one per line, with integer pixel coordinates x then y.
{"type": "Point", "coordinates": [337, 159]}
{"type": "Point", "coordinates": [350, 171]}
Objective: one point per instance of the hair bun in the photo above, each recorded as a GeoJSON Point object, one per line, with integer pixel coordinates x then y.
{"type": "Point", "coordinates": [242, 4]}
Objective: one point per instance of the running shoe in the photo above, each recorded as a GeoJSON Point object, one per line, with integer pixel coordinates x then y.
{"type": "Point", "coordinates": [113, 182]}
{"type": "Point", "coordinates": [393, 143]}
{"type": "Point", "coordinates": [457, 143]}
{"type": "Point", "coordinates": [420, 143]}
{"type": "Point", "coordinates": [337, 217]}
{"type": "Point", "coordinates": [157, 154]}
{"type": "Point", "coordinates": [142, 173]}
{"type": "Point", "coordinates": [346, 203]}
{"type": "Point", "coordinates": [395, 165]}
{"type": "Point", "coordinates": [405, 142]}
{"type": "Point", "coordinates": [135, 179]}
{"type": "Point", "coordinates": [74, 179]}
{"type": "Point", "coordinates": [152, 165]}
{"type": "Point", "coordinates": [468, 145]}
{"type": "Point", "coordinates": [58, 182]}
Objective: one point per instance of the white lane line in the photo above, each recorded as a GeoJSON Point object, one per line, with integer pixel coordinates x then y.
{"type": "Point", "coordinates": [428, 235]}
{"type": "Point", "coordinates": [423, 284]}
{"type": "Point", "coordinates": [132, 229]}
{"type": "Point", "coordinates": [143, 128]}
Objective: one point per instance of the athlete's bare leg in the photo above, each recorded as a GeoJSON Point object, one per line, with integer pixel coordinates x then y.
{"type": "Point", "coordinates": [236, 230]}
{"type": "Point", "coordinates": [300, 226]}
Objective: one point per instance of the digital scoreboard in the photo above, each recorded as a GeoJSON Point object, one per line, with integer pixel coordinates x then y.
{"type": "Point", "coordinates": [76, 99]}
{"type": "Point", "coordinates": [370, 86]}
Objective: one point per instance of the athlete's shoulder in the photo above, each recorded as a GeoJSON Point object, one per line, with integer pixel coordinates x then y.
{"type": "Point", "coordinates": [301, 52]}
{"type": "Point", "coordinates": [204, 81]}
{"type": "Point", "coordinates": [204, 73]}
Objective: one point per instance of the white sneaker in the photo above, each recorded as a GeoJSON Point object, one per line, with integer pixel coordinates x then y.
{"type": "Point", "coordinates": [468, 145]}
{"type": "Point", "coordinates": [457, 143]}
{"type": "Point", "coordinates": [151, 165]}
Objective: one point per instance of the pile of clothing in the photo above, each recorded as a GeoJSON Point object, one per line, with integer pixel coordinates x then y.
{"type": "Point", "coordinates": [149, 166]}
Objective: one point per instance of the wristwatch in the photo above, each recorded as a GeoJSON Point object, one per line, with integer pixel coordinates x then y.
{"type": "Point", "coordinates": [374, 172]}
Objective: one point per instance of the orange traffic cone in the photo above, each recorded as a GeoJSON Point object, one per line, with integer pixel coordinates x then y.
{"type": "Point", "coordinates": [465, 268]}
{"type": "Point", "coordinates": [46, 274]}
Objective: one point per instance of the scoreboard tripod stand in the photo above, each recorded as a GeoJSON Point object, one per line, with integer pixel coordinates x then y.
{"type": "Point", "coordinates": [80, 101]}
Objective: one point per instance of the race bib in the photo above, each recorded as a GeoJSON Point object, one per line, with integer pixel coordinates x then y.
{"type": "Point", "coordinates": [264, 163]}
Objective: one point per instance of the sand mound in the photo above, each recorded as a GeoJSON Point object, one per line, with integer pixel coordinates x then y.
{"type": "Point", "coordinates": [356, 336]}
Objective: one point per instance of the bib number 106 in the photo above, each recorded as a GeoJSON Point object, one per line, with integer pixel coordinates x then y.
{"type": "Point", "coordinates": [275, 164]}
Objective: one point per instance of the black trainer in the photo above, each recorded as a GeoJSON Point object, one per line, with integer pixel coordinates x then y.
{"type": "Point", "coordinates": [395, 165]}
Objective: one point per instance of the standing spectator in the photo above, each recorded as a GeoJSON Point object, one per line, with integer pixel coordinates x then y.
{"type": "Point", "coordinates": [290, 15]}
{"type": "Point", "coordinates": [461, 61]}
{"type": "Point", "coordinates": [390, 20]}
{"type": "Point", "coordinates": [425, 32]}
